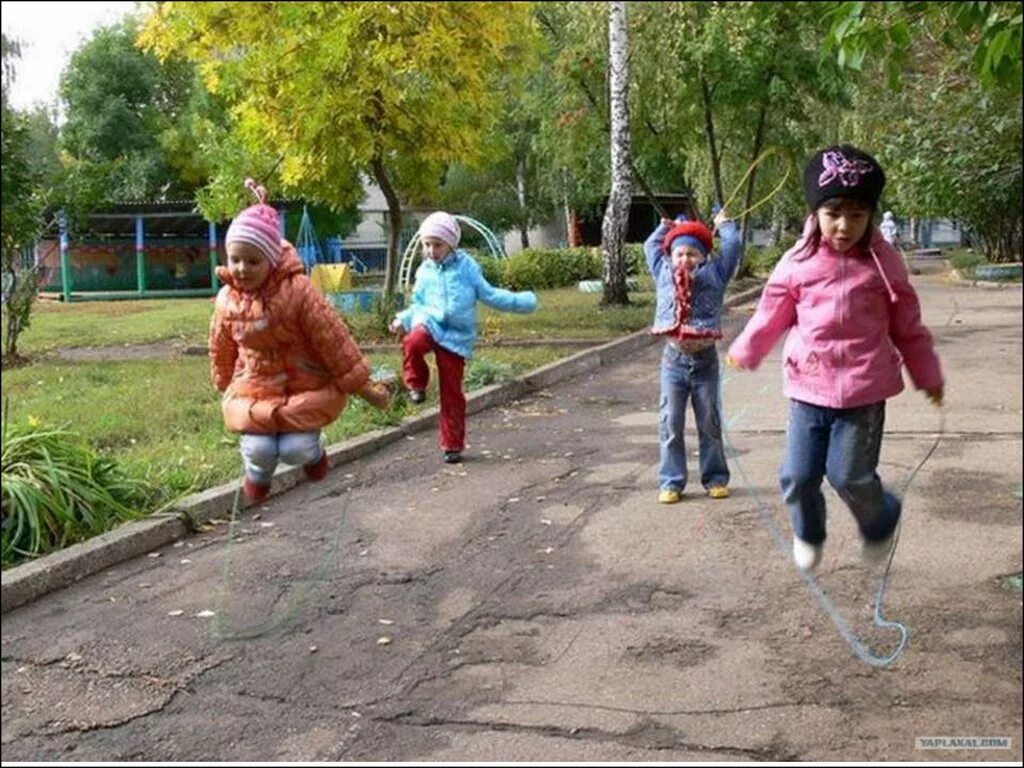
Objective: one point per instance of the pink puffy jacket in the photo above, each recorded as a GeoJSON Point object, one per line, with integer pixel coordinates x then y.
{"type": "Point", "coordinates": [855, 321]}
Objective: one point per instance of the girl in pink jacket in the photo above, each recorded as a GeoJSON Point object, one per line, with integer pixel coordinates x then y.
{"type": "Point", "coordinates": [854, 320]}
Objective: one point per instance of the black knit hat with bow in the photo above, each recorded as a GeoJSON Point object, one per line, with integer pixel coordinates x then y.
{"type": "Point", "coordinates": [843, 171]}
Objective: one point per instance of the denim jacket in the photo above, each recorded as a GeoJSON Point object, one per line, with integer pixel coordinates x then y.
{"type": "Point", "coordinates": [709, 279]}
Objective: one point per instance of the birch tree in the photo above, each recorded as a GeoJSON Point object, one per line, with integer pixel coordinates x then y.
{"type": "Point", "coordinates": [616, 215]}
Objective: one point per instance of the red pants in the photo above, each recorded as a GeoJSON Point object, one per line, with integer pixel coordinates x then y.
{"type": "Point", "coordinates": [450, 367]}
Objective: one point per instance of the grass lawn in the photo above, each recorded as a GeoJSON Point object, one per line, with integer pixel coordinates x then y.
{"type": "Point", "coordinates": [562, 313]}
{"type": "Point", "coordinates": [161, 417]}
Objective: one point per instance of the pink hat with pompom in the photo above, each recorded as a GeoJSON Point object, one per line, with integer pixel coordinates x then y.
{"type": "Point", "coordinates": [258, 225]}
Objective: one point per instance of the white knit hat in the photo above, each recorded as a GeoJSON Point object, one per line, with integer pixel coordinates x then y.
{"type": "Point", "coordinates": [443, 226]}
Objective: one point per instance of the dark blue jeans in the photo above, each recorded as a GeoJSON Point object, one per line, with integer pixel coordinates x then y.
{"type": "Point", "coordinates": [842, 444]}
{"type": "Point", "coordinates": [684, 377]}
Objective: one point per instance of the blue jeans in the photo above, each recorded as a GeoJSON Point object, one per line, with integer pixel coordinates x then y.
{"type": "Point", "coordinates": [842, 444]}
{"type": "Point", "coordinates": [682, 377]}
{"type": "Point", "coordinates": [260, 453]}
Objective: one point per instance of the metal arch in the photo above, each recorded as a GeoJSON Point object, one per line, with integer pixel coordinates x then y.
{"type": "Point", "coordinates": [405, 271]}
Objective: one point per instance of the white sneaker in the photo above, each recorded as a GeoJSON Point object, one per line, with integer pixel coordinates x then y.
{"type": "Point", "coordinates": [807, 556]}
{"type": "Point", "coordinates": [875, 553]}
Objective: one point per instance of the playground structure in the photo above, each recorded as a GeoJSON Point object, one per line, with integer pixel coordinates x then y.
{"type": "Point", "coordinates": [406, 271]}
{"type": "Point", "coordinates": [168, 250]}
{"type": "Point", "coordinates": [133, 251]}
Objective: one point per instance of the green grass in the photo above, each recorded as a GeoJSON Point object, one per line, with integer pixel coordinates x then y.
{"type": "Point", "coordinates": [103, 323]}
{"type": "Point", "coordinates": [562, 313]}
{"type": "Point", "coordinates": [161, 419]}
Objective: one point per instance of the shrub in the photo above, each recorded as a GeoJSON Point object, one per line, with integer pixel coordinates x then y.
{"type": "Point", "coordinates": [482, 372]}
{"type": "Point", "coordinates": [536, 269]}
{"type": "Point", "coordinates": [57, 490]}
{"type": "Point", "coordinates": [493, 269]}
{"type": "Point", "coordinates": [964, 262]}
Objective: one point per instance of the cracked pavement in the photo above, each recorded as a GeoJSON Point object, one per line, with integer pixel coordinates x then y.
{"type": "Point", "coordinates": [535, 603]}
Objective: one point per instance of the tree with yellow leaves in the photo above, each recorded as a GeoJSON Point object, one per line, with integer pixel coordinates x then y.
{"type": "Point", "coordinates": [334, 92]}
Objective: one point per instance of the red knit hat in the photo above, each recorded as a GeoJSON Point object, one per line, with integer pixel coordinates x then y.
{"type": "Point", "coordinates": [693, 229]}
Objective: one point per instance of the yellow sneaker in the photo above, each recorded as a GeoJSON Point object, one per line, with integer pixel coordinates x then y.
{"type": "Point", "coordinates": [669, 496]}
{"type": "Point", "coordinates": [718, 492]}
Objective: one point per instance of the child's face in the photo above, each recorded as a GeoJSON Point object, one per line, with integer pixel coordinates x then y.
{"type": "Point", "coordinates": [247, 265]}
{"type": "Point", "coordinates": [435, 249]}
{"type": "Point", "coordinates": [843, 224]}
{"type": "Point", "coordinates": [688, 256]}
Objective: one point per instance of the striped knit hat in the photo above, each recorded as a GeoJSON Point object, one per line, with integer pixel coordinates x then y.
{"type": "Point", "coordinates": [258, 225]}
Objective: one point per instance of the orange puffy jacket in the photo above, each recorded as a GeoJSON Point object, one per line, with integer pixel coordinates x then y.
{"type": "Point", "coordinates": [282, 356]}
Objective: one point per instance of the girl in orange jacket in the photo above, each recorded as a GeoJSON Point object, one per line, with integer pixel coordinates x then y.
{"type": "Point", "coordinates": [282, 356]}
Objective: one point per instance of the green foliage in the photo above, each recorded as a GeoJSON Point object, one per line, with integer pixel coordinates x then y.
{"type": "Point", "coordinates": [483, 372]}
{"type": "Point", "coordinates": [21, 203]}
{"type": "Point", "coordinates": [130, 127]}
{"type": "Point", "coordinates": [761, 260]}
{"type": "Point", "coordinates": [964, 262]}
{"type": "Point", "coordinates": [333, 93]}
{"type": "Point", "coordinates": [950, 147]}
{"type": "Point", "coordinates": [861, 30]}
{"type": "Point", "coordinates": [539, 269]}
{"type": "Point", "coordinates": [57, 490]}
{"type": "Point", "coordinates": [493, 268]}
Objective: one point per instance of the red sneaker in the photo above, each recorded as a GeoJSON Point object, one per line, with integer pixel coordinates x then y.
{"type": "Point", "coordinates": [255, 492]}
{"type": "Point", "coordinates": [318, 469]}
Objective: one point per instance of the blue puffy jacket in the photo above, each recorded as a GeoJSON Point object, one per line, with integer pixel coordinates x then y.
{"type": "Point", "coordinates": [444, 299]}
{"type": "Point", "coordinates": [709, 279]}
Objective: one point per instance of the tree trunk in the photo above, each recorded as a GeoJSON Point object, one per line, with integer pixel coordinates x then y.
{"type": "Point", "coordinates": [573, 235]}
{"type": "Point", "coordinates": [524, 217]}
{"type": "Point", "coordinates": [709, 135]}
{"type": "Point", "coordinates": [616, 215]}
{"type": "Point", "coordinates": [748, 198]}
{"type": "Point", "coordinates": [391, 265]}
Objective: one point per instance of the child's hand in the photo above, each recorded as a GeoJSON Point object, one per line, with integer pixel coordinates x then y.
{"type": "Point", "coordinates": [720, 218]}
{"type": "Point", "coordinates": [396, 326]}
{"type": "Point", "coordinates": [377, 395]}
{"type": "Point", "coordinates": [666, 222]}
{"type": "Point", "coordinates": [733, 363]}
{"type": "Point", "coordinates": [935, 395]}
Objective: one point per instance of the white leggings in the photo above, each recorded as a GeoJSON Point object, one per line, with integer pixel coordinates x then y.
{"type": "Point", "coordinates": [260, 453]}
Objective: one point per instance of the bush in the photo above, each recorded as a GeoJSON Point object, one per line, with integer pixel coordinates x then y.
{"type": "Point", "coordinates": [481, 373]}
{"type": "Point", "coordinates": [493, 269]}
{"type": "Point", "coordinates": [635, 260]}
{"type": "Point", "coordinates": [964, 262]}
{"type": "Point", "coordinates": [535, 269]}
{"type": "Point", "coordinates": [57, 491]}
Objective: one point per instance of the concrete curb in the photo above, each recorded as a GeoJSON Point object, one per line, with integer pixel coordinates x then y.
{"type": "Point", "coordinates": [24, 583]}
{"type": "Point", "coordinates": [957, 277]}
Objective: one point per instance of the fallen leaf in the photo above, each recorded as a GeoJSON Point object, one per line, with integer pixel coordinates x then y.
{"type": "Point", "coordinates": [153, 554]}
{"type": "Point", "coordinates": [545, 521]}
{"type": "Point", "coordinates": [205, 614]}
{"type": "Point", "coordinates": [185, 561]}
{"type": "Point", "coordinates": [175, 613]}
{"type": "Point", "coordinates": [266, 525]}
{"type": "Point", "coordinates": [385, 622]}
{"type": "Point", "coordinates": [312, 649]}
{"type": "Point", "coordinates": [384, 640]}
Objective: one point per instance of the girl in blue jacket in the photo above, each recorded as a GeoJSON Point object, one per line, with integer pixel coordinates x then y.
{"type": "Point", "coordinates": [442, 319]}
